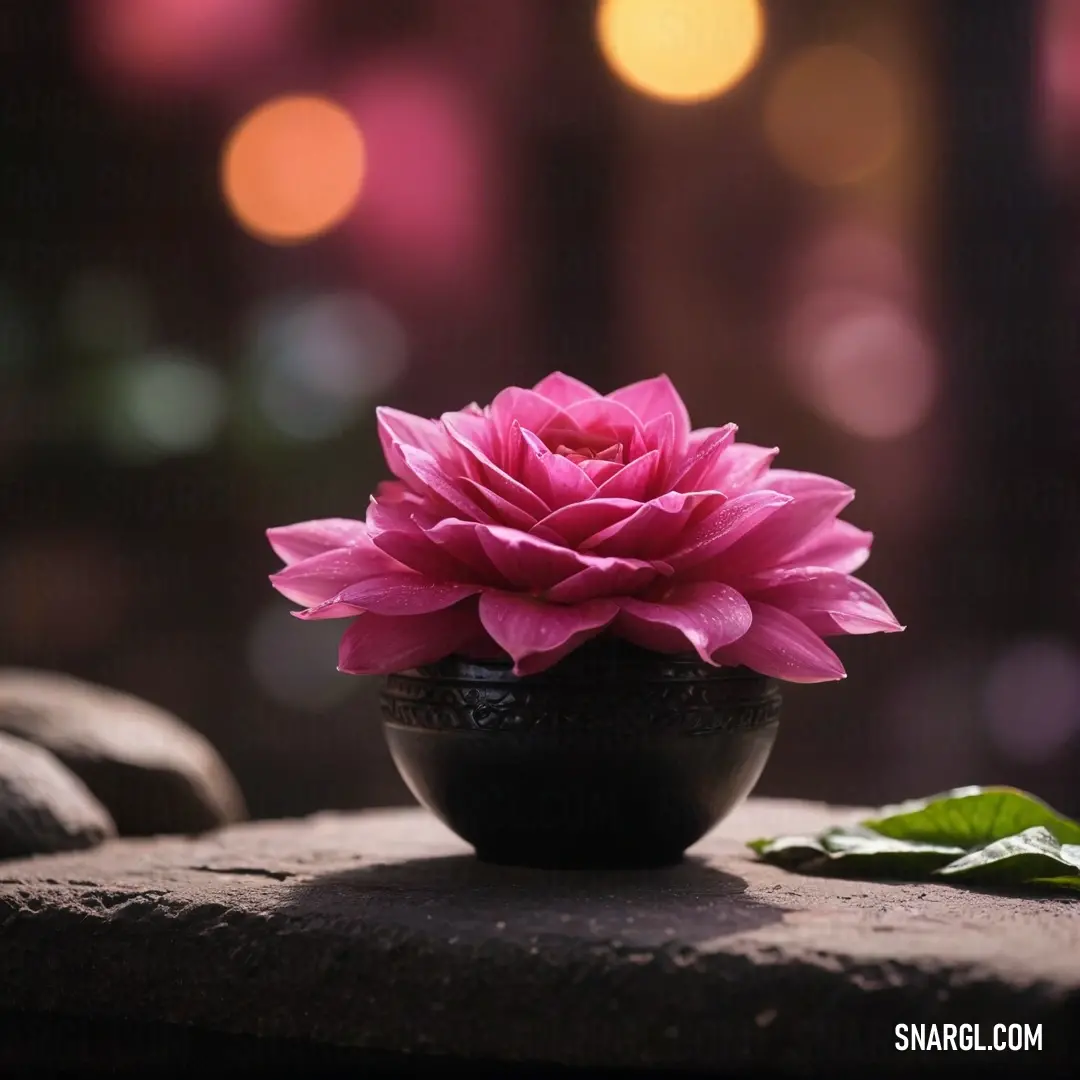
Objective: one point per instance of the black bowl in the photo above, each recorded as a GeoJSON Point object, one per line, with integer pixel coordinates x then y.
{"type": "Point", "coordinates": [615, 757]}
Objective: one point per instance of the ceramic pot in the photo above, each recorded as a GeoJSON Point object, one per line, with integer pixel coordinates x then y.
{"type": "Point", "coordinates": [614, 757]}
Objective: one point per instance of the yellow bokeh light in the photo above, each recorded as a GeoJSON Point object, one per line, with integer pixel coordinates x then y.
{"type": "Point", "coordinates": [833, 115]}
{"type": "Point", "coordinates": [681, 51]}
{"type": "Point", "coordinates": [292, 169]}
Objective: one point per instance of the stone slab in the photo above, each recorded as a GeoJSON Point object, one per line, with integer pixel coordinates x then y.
{"type": "Point", "coordinates": [380, 930]}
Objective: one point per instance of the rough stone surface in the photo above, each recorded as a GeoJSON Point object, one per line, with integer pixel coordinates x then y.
{"type": "Point", "coordinates": [381, 930]}
{"type": "Point", "coordinates": [44, 807]}
{"type": "Point", "coordinates": [153, 773]}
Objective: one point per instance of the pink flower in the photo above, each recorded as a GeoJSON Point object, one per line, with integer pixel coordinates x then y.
{"type": "Point", "coordinates": [555, 514]}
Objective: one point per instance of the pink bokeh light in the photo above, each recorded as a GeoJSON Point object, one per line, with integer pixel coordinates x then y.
{"type": "Point", "coordinates": [861, 363]}
{"type": "Point", "coordinates": [1059, 59]}
{"type": "Point", "coordinates": [426, 206]}
{"type": "Point", "coordinates": [1057, 85]}
{"type": "Point", "coordinates": [1031, 700]}
{"type": "Point", "coordinates": [856, 351]}
{"type": "Point", "coordinates": [872, 374]}
{"type": "Point", "coordinates": [180, 44]}
{"type": "Point", "coordinates": [858, 257]}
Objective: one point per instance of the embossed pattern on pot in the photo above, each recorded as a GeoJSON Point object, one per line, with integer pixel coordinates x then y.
{"type": "Point", "coordinates": [614, 757]}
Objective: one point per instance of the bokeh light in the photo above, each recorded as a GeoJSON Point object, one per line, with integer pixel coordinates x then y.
{"type": "Point", "coordinates": [295, 663]}
{"type": "Point", "coordinates": [871, 372]}
{"type": "Point", "coordinates": [164, 402]}
{"type": "Point", "coordinates": [316, 360]}
{"type": "Point", "coordinates": [856, 350]}
{"type": "Point", "coordinates": [1058, 67]}
{"type": "Point", "coordinates": [833, 115]}
{"type": "Point", "coordinates": [292, 169]}
{"type": "Point", "coordinates": [180, 43]}
{"type": "Point", "coordinates": [858, 257]}
{"type": "Point", "coordinates": [680, 51]}
{"type": "Point", "coordinates": [1031, 700]}
{"type": "Point", "coordinates": [428, 208]}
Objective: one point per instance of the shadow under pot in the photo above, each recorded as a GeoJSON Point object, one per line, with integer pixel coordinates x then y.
{"type": "Point", "coordinates": [614, 758]}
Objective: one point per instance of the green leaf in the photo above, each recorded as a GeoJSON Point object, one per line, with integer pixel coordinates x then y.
{"type": "Point", "coordinates": [1057, 882]}
{"type": "Point", "coordinates": [971, 816]}
{"type": "Point", "coordinates": [783, 848]}
{"type": "Point", "coordinates": [1034, 854]}
{"type": "Point", "coordinates": [856, 852]}
{"type": "Point", "coordinates": [976, 836]}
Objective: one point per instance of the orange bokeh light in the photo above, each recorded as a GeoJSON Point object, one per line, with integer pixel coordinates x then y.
{"type": "Point", "coordinates": [833, 116]}
{"type": "Point", "coordinates": [681, 51]}
{"type": "Point", "coordinates": [292, 169]}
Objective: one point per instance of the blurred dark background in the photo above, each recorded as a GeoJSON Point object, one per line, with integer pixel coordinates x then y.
{"type": "Point", "coordinates": [847, 227]}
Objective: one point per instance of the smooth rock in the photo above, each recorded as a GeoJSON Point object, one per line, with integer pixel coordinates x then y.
{"type": "Point", "coordinates": [154, 773]}
{"type": "Point", "coordinates": [381, 930]}
{"type": "Point", "coordinates": [44, 807]}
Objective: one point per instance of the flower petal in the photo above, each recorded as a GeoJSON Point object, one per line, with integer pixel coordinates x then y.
{"type": "Point", "coordinates": [471, 427]}
{"type": "Point", "coordinates": [316, 579]}
{"type": "Point", "coordinates": [461, 540]}
{"type": "Point", "coordinates": [577, 522]}
{"type": "Point", "coordinates": [740, 466]}
{"type": "Point", "coordinates": [538, 634]}
{"type": "Point", "coordinates": [400, 593]}
{"type": "Point", "coordinates": [329, 609]}
{"type": "Point", "coordinates": [525, 561]}
{"type": "Point", "coordinates": [499, 508]}
{"type": "Point", "coordinates": [522, 561]}
{"type": "Point", "coordinates": [598, 470]}
{"type": "Point", "coordinates": [437, 482]}
{"type": "Point", "coordinates": [814, 501]}
{"type": "Point", "coordinates": [652, 529]}
{"type": "Point", "coordinates": [490, 474]}
{"type": "Point", "coordinates": [828, 601]}
{"type": "Point", "coordinates": [783, 647]}
{"type": "Point", "coordinates": [699, 436]}
{"type": "Point", "coordinates": [414, 430]}
{"type": "Point", "coordinates": [721, 529]}
{"type": "Point", "coordinates": [806, 485]}
{"type": "Point", "coordinates": [555, 479]}
{"type": "Point", "coordinates": [394, 491]}
{"type": "Point", "coordinates": [382, 644]}
{"type": "Point", "coordinates": [397, 529]}
{"type": "Point", "coordinates": [659, 434]}
{"type": "Point", "coordinates": [703, 615]}
{"type": "Point", "coordinates": [606, 416]}
{"type": "Point", "coordinates": [291, 543]}
{"type": "Point", "coordinates": [695, 471]}
{"type": "Point", "coordinates": [837, 545]}
{"type": "Point", "coordinates": [633, 481]}
{"type": "Point", "coordinates": [531, 409]}
{"type": "Point", "coordinates": [604, 577]}
{"type": "Point", "coordinates": [651, 398]}
{"type": "Point", "coordinates": [564, 389]}
{"type": "Point", "coordinates": [397, 429]}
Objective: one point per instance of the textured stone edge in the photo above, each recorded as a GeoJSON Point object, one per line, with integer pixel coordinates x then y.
{"type": "Point", "coordinates": [399, 989]}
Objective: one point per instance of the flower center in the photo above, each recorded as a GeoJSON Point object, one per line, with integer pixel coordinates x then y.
{"type": "Point", "coordinates": [581, 446]}
{"type": "Point", "coordinates": [610, 453]}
